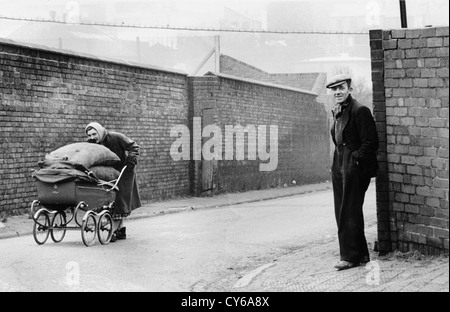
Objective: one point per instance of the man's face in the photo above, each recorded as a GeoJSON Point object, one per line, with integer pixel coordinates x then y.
{"type": "Point", "coordinates": [341, 92]}
{"type": "Point", "coordinates": [93, 136]}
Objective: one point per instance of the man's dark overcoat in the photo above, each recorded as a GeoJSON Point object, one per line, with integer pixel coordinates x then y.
{"type": "Point", "coordinates": [354, 163]}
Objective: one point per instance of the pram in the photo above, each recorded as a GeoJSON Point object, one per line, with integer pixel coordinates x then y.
{"type": "Point", "coordinates": [87, 200]}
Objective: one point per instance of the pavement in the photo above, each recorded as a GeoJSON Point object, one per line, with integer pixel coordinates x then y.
{"type": "Point", "coordinates": [308, 268]}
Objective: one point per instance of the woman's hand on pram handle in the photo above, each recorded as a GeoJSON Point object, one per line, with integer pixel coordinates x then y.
{"type": "Point", "coordinates": [118, 179]}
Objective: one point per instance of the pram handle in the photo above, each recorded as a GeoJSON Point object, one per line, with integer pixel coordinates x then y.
{"type": "Point", "coordinates": [117, 181]}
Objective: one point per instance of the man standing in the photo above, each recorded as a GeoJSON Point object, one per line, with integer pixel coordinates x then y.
{"type": "Point", "coordinates": [354, 163]}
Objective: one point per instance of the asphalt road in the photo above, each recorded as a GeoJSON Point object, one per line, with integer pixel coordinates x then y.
{"type": "Point", "coordinates": [200, 250]}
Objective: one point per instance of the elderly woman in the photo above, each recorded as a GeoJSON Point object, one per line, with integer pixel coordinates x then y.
{"type": "Point", "coordinates": [127, 198]}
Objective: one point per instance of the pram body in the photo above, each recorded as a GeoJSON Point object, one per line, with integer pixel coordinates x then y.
{"type": "Point", "coordinates": [87, 200]}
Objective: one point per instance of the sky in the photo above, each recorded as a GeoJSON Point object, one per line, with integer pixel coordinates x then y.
{"type": "Point", "coordinates": [307, 15]}
{"type": "Point", "coordinates": [206, 13]}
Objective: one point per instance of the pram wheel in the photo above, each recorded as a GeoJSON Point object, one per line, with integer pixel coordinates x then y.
{"type": "Point", "coordinates": [58, 226]}
{"type": "Point", "coordinates": [105, 228]}
{"type": "Point", "coordinates": [88, 228]}
{"type": "Point", "coordinates": [80, 212]}
{"type": "Point", "coordinates": [41, 227]}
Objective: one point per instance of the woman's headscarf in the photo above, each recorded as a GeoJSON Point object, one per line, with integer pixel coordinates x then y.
{"type": "Point", "coordinates": [102, 132]}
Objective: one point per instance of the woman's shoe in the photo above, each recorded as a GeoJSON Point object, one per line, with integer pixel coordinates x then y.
{"type": "Point", "coordinates": [121, 233]}
{"type": "Point", "coordinates": [113, 238]}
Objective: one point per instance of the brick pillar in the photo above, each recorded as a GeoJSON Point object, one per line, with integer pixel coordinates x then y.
{"type": "Point", "coordinates": [410, 82]}
{"type": "Point", "coordinates": [379, 110]}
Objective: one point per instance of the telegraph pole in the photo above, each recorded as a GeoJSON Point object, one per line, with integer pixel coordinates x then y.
{"type": "Point", "coordinates": [403, 14]}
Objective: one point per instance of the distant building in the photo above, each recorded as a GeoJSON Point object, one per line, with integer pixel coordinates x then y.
{"type": "Point", "coordinates": [351, 15]}
{"type": "Point", "coordinates": [185, 50]}
{"type": "Point", "coordinates": [360, 66]}
{"type": "Point", "coordinates": [314, 82]}
{"type": "Point", "coordinates": [84, 39]}
{"type": "Point", "coordinates": [235, 20]}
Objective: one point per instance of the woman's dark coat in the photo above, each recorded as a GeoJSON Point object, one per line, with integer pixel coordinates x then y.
{"type": "Point", "coordinates": [128, 197]}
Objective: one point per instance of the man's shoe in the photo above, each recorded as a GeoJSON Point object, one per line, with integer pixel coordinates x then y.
{"type": "Point", "coordinates": [344, 265]}
{"type": "Point", "coordinates": [121, 233]}
{"type": "Point", "coordinates": [364, 260]}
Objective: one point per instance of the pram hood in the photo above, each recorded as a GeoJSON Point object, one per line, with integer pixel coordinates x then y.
{"type": "Point", "coordinates": [58, 172]}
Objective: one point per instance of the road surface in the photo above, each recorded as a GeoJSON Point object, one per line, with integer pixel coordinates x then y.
{"type": "Point", "coordinates": [202, 250]}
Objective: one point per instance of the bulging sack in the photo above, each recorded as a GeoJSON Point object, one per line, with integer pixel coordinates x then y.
{"type": "Point", "coordinates": [83, 153]}
{"type": "Point", "coordinates": [105, 173]}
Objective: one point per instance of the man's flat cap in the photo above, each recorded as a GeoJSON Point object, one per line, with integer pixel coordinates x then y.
{"type": "Point", "coordinates": [338, 80]}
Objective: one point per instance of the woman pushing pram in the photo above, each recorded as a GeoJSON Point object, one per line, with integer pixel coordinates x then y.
{"type": "Point", "coordinates": [127, 198]}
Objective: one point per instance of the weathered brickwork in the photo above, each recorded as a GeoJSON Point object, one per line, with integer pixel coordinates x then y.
{"type": "Point", "coordinates": [313, 82]}
{"type": "Point", "coordinates": [410, 74]}
{"type": "Point", "coordinates": [303, 145]}
{"type": "Point", "coordinates": [47, 98]}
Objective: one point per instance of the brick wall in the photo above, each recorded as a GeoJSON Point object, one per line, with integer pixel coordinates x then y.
{"type": "Point", "coordinates": [47, 98]}
{"type": "Point", "coordinates": [313, 82]}
{"type": "Point", "coordinates": [410, 74]}
{"type": "Point", "coordinates": [303, 137]}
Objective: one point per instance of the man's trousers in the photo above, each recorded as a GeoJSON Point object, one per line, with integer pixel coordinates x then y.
{"type": "Point", "coordinates": [349, 188]}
